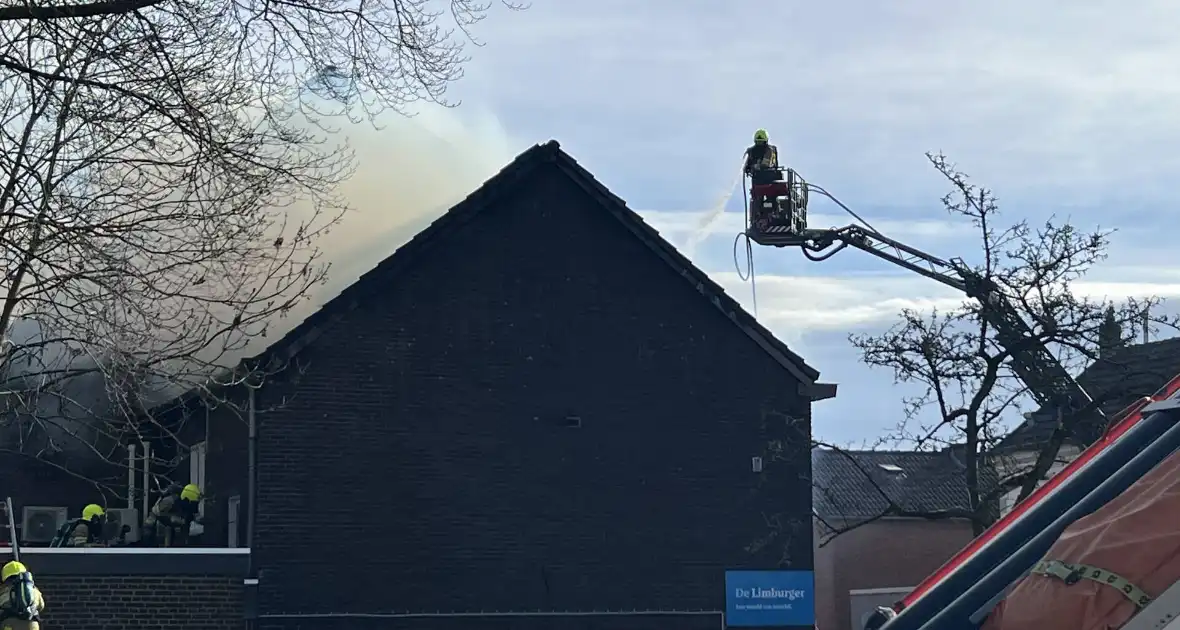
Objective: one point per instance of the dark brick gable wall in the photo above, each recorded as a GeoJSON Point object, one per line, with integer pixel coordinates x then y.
{"type": "Point", "coordinates": [132, 602]}
{"type": "Point", "coordinates": [540, 414]}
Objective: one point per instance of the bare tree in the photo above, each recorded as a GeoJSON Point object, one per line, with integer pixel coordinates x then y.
{"type": "Point", "coordinates": [387, 53]}
{"type": "Point", "coordinates": [152, 150]}
{"type": "Point", "coordinates": [971, 396]}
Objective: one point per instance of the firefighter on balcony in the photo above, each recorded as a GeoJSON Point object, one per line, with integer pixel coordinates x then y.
{"type": "Point", "coordinates": [167, 525]}
{"type": "Point", "coordinates": [82, 532]}
{"type": "Point", "coordinates": [21, 602]}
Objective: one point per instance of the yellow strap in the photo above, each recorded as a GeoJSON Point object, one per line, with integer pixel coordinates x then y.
{"type": "Point", "coordinates": [1071, 573]}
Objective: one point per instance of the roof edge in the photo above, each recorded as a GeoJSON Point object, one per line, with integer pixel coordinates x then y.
{"type": "Point", "coordinates": [722, 301]}
{"type": "Point", "coordinates": [283, 350]}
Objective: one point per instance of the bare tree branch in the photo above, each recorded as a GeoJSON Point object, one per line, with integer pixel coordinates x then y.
{"type": "Point", "coordinates": [964, 367]}
{"type": "Point", "coordinates": [153, 152]}
{"type": "Point", "coordinates": [89, 9]}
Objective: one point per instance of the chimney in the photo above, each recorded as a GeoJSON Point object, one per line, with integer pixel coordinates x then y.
{"type": "Point", "coordinates": [1110, 335]}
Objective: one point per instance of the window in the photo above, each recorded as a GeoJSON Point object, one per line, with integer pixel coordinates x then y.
{"type": "Point", "coordinates": [196, 469]}
{"type": "Point", "coordinates": [893, 468]}
{"type": "Point", "coordinates": [233, 507]}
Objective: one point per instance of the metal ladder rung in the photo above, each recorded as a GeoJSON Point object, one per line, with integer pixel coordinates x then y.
{"type": "Point", "coordinates": [10, 524]}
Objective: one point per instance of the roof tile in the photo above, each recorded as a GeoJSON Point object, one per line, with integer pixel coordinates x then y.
{"type": "Point", "coordinates": [857, 486]}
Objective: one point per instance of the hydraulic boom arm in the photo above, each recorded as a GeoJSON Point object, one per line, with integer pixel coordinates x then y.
{"type": "Point", "coordinates": [776, 214]}
{"type": "Point", "coordinates": [1047, 380]}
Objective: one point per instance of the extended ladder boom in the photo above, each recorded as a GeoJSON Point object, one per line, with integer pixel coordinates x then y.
{"type": "Point", "coordinates": [1047, 380]}
{"type": "Point", "coordinates": [954, 596]}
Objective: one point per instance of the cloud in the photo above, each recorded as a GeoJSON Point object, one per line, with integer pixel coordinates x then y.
{"type": "Point", "coordinates": [1063, 99]}
{"type": "Point", "coordinates": [1062, 107]}
{"type": "Point", "coordinates": [800, 304]}
{"type": "Point", "coordinates": [806, 303]}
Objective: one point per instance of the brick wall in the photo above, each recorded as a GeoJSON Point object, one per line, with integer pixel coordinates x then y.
{"type": "Point", "coordinates": [128, 602]}
{"type": "Point", "coordinates": [126, 589]}
{"type": "Point", "coordinates": [540, 414]}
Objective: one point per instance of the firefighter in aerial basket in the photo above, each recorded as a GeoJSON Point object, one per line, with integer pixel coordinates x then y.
{"type": "Point", "coordinates": [21, 602]}
{"type": "Point", "coordinates": [762, 160]}
{"type": "Point", "coordinates": [771, 197]}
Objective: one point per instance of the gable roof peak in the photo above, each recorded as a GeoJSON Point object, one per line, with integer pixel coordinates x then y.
{"type": "Point", "coordinates": [525, 164]}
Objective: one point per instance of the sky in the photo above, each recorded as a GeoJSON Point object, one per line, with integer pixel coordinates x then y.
{"type": "Point", "coordinates": [1064, 109]}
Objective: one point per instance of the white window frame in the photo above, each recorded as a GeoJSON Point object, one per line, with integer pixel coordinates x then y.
{"type": "Point", "coordinates": [233, 507]}
{"type": "Point", "coordinates": [196, 470]}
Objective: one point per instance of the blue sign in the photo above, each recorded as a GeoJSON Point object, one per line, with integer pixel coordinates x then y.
{"type": "Point", "coordinates": [769, 598]}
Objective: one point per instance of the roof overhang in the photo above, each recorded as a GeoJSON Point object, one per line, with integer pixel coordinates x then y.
{"type": "Point", "coordinates": [817, 391]}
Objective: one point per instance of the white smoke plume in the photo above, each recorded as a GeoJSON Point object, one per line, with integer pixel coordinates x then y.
{"type": "Point", "coordinates": [409, 172]}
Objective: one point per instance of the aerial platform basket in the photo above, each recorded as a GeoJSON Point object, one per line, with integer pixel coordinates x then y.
{"type": "Point", "coordinates": [776, 209]}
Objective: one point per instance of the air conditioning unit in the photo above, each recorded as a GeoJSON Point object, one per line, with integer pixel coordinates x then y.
{"type": "Point", "coordinates": [39, 524]}
{"type": "Point", "coordinates": [116, 519]}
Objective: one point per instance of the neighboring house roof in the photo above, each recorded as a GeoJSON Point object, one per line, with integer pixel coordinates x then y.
{"type": "Point", "coordinates": [1127, 374]}
{"type": "Point", "coordinates": [514, 175]}
{"type": "Point", "coordinates": [856, 486]}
